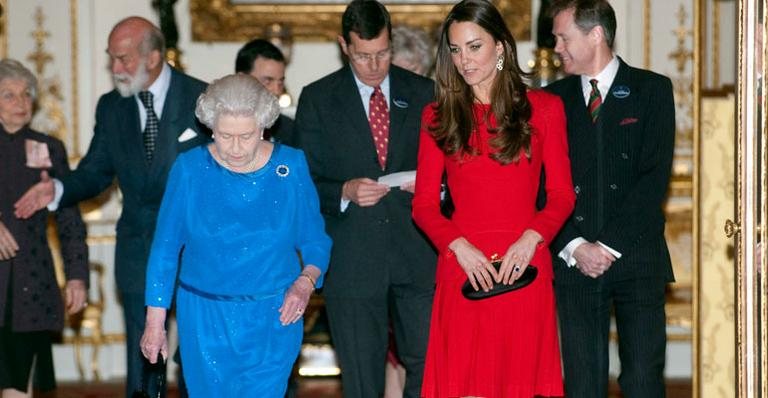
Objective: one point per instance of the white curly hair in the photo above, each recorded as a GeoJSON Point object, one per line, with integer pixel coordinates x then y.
{"type": "Point", "coordinates": [237, 95]}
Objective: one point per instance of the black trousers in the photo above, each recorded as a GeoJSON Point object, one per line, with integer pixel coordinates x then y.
{"type": "Point", "coordinates": [359, 329]}
{"type": "Point", "coordinates": [584, 310]}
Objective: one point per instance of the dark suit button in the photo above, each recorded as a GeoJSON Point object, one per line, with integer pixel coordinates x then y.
{"type": "Point", "coordinates": [624, 156]}
{"type": "Point", "coordinates": [579, 218]}
{"type": "Point", "coordinates": [614, 187]}
{"type": "Point", "coordinates": [577, 189]}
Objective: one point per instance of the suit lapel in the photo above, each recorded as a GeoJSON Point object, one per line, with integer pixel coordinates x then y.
{"type": "Point", "coordinates": [131, 132]}
{"type": "Point", "coordinates": [399, 106]}
{"type": "Point", "coordinates": [616, 103]}
{"type": "Point", "coordinates": [581, 130]}
{"type": "Point", "coordinates": [168, 121]}
{"type": "Point", "coordinates": [348, 102]}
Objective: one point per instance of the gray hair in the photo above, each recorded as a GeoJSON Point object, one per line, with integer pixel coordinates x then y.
{"type": "Point", "coordinates": [152, 37]}
{"type": "Point", "coordinates": [237, 95]}
{"type": "Point", "coordinates": [14, 70]}
{"type": "Point", "coordinates": [414, 46]}
{"type": "Point", "coordinates": [153, 40]}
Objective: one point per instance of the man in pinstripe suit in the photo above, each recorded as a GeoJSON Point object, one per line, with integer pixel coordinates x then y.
{"type": "Point", "coordinates": [611, 252]}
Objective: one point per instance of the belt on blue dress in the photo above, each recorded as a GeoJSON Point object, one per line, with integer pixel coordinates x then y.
{"type": "Point", "coordinates": [225, 297]}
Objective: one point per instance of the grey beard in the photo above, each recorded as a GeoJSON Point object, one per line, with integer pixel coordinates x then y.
{"type": "Point", "coordinates": [134, 85]}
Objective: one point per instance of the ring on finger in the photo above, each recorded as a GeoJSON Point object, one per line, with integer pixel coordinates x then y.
{"type": "Point", "coordinates": [517, 268]}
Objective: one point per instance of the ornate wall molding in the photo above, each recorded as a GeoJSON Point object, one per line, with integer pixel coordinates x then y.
{"type": "Point", "coordinates": [74, 153]}
{"type": "Point", "coordinates": [50, 116]}
{"type": "Point", "coordinates": [226, 20]}
{"type": "Point", "coordinates": [3, 29]}
{"type": "Point", "coordinates": [647, 34]}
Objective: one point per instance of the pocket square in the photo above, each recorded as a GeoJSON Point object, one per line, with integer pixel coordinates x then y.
{"type": "Point", "coordinates": [38, 156]}
{"type": "Point", "coordinates": [187, 135]}
{"type": "Point", "coordinates": [628, 120]}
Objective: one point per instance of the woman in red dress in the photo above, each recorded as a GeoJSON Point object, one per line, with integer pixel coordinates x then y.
{"type": "Point", "coordinates": [492, 137]}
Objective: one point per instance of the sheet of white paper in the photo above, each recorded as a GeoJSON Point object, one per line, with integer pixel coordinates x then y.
{"type": "Point", "coordinates": [398, 179]}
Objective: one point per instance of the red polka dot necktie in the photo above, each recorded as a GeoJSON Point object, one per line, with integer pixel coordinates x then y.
{"type": "Point", "coordinates": [595, 101]}
{"type": "Point", "coordinates": [378, 118]}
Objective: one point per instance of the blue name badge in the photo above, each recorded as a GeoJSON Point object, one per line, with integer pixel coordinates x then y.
{"type": "Point", "coordinates": [621, 92]}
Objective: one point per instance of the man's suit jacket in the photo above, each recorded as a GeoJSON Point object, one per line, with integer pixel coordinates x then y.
{"type": "Point", "coordinates": [36, 298]}
{"type": "Point", "coordinates": [368, 243]}
{"type": "Point", "coordinates": [117, 150]}
{"type": "Point", "coordinates": [282, 131]}
{"type": "Point", "coordinates": [621, 167]}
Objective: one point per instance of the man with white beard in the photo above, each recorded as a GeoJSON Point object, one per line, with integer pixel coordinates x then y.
{"type": "Point", "coordinates": [141, 127]}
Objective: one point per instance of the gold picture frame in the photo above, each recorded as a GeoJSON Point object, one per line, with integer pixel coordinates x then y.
{"type": "Point", "coordinates": [319, 20]}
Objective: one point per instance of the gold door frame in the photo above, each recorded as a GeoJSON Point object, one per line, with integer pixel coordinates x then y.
{"type": "Point", "coordinates": [750, 182]}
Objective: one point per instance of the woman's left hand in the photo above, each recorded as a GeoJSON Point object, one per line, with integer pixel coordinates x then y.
{"type": "Point", "coordinates": [518, 257]}
{"type": "Point", "coordinates": [296, 300]}
{"type": "Point", "coordinates": [75, 296]}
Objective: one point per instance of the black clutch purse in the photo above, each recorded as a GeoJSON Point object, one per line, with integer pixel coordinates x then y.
{"type": "Point", "coordinates": [524, 280]}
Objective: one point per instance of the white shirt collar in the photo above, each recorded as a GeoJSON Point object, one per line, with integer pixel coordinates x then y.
{"type": "Point", "coordinates": [366, 91]}
{"type": "Point", "coordinates": [604, 79]}
{"type": "Point", "coordinates": [159, 90]}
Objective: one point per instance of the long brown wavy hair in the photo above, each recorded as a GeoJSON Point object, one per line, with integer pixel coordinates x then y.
{"type": "Point", "coordinates": [455, 122]}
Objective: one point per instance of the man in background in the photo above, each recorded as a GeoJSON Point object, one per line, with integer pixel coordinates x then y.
{"type": "Point", "coordinates": [611, 253]}
{"type": "Point", "coordinates": [141, 126]}
{"type": "Point", "coordinates": [264, 61]}
{"type": "Point", "coordinates": [356, 125]}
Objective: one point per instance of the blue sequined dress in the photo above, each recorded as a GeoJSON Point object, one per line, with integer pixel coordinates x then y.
{"type": "Point", "coordinates": [239, 234]}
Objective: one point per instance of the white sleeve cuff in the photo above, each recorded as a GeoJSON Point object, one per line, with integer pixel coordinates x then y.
{"type": "Point", "coordinates": [610, 250]}
{"type": "Point", "coordinates": [344, 204]}
{"type": "Point", "coordinates": [58, 192]}
{"type": "Point", "coordinates": [567, 253]}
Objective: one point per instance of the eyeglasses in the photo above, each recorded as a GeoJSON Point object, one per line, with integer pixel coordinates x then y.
{"type": "Point", "coordinates": [363, 58]}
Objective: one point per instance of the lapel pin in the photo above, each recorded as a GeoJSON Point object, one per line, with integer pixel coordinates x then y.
{"type": "Point", "coordinates": [400, 103]}
{"type": "Point", "coordinates": [621, 92]}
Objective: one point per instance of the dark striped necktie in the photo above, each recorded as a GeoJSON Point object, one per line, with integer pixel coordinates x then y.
{"type": "Point", "coordinates": [595, 101]}
{"type": "Point", "coordinates": [152, 128]}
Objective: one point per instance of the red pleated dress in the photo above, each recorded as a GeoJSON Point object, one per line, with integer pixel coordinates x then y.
{"type": "Point", "coordinates": [505, 346]}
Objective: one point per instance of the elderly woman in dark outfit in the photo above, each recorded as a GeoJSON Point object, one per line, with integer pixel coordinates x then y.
{"type": "Point", "coordinates": [30, 299]}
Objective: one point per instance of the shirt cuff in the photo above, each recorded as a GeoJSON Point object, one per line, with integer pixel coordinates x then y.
{"type": "Point", "coordinates": [610, 250]}
{"type": "Point", "coordinates": [343, 205]}
{"type": "Point", "coordinates": [58, 192]}
{"type": "Point", "coordinates": [567, 253]}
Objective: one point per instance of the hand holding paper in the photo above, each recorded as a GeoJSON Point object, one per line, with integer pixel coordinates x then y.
{"type": "Point", "coordinates": [399, 179]}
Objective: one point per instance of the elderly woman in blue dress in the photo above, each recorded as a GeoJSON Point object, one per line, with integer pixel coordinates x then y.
{"type": "Point", "coordinates": [235, 216]}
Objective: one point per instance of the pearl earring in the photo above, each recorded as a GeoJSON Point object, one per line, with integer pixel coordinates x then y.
{"type": "Point", "coordinates": [500, 63]}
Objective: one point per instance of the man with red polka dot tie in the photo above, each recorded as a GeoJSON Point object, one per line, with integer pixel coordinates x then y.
{"type": "Point", "coordinates": [356, 125]}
